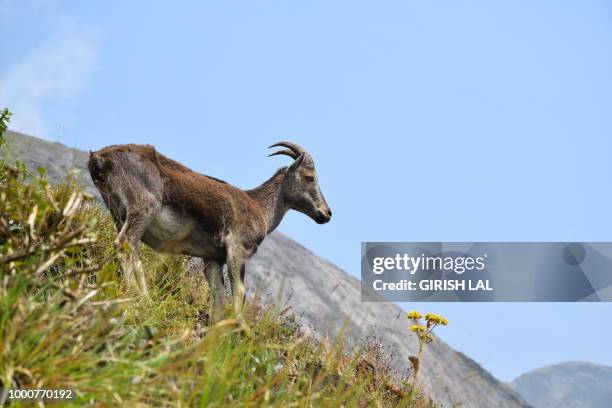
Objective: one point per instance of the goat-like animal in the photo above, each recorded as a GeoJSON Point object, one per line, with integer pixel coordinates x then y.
{"type": "Point", "coordinates": [176, 210]}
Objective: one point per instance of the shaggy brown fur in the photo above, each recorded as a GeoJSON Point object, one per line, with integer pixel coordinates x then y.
{"type": "Point", "coordinates": [174, 209]}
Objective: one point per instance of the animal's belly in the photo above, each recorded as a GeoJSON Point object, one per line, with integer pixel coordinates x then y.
{"type": "Point", "coordinates": [172, 233]}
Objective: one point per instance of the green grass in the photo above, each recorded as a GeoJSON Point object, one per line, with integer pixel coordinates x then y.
{"type": "Point", "coordinates": [68, 321]}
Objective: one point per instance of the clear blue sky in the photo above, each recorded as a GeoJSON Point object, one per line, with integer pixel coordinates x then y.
{"type": "Point", "coordinates": [428, 121]}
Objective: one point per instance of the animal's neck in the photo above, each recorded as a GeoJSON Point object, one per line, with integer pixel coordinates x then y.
{"type": "Point", "coordinates": [269, 196]}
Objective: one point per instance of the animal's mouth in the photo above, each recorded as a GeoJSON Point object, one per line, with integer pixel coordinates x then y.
{"type": "Point", "coordinates": [323, 218]}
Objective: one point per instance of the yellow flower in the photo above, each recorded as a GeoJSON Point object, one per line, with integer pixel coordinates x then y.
{"type": "Point", "coordinates": [413, 314]}
{"type": "Point", "coordinates": [418, 328]}
{"type": "Point", "coordinates": [433, 318]}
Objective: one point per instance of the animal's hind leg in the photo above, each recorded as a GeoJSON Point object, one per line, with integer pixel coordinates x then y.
{"type": "Point", "coordinates": [132, 269]}
{"type": "Point", "coordinates": [141, 211]}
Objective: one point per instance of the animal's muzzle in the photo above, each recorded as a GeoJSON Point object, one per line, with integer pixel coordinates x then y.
{"type": "Point", "coordinates": [323, 217]}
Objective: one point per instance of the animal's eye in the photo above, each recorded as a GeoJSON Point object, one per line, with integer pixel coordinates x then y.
{"type": "Point", "coordinates": [309, 179]}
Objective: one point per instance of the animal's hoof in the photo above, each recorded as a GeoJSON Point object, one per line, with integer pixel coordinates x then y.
{"type": "Point", "coordinates": [119, 244]}
{"type": "Point", "coordinates": [204, 318]}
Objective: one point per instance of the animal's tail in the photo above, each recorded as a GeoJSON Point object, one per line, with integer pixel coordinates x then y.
{"type": "Point", "coordinates": [96, 166]}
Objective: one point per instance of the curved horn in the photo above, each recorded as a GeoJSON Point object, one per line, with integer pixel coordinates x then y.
{"type": "Point", "coordinates": [293, 148]}
{"type": "Point", "coordinates": [285, 152]}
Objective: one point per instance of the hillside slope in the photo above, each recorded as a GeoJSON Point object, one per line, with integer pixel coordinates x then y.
{"type": "Point", "coordinates": [567, 385]}
{"type": "Point", "coordinates": [325, 297]}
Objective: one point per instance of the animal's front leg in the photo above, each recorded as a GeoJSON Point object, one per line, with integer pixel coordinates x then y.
{"type": "Point", "coordinates": [235, 271]}
{"type": "Point", "coordinates": [213, 272]}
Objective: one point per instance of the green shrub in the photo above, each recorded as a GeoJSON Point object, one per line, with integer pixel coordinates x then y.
{"type": "Point", "coordinates": [5, 116]}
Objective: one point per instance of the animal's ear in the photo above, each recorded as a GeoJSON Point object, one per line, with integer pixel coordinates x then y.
{"type": "Point", "coordinates": [297, 162]}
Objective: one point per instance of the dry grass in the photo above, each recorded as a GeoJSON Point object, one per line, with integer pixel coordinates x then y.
{"type": "Point", "coordinates": [67, 321]}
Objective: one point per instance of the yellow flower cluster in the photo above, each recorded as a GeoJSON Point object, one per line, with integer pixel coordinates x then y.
{"type": "Point", "coordinates": [433, 318]}
{"type": "Point", "coordinates": [418, 328]}
{"type": "Point", "coordinates": [414, 315]}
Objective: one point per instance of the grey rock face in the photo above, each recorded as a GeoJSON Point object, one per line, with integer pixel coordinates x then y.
{"type": "Point", "coordinates": [567, 385]}
{"type": "Point", "coordinates": [56, 158]}
{"type": "Point", "coordinates": [325, 298]}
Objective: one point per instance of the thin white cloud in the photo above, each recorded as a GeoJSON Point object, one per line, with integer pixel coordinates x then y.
{"type": "Point", "coordinates": [50, 76]}
{"type": "Point", "coordinates": [11, 9]}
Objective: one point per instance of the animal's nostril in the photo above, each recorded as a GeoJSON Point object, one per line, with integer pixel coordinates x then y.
{"type": "Point", "coordinates": [329, 213]}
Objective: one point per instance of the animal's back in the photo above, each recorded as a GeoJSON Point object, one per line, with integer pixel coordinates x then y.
{"type": "Point", "coordinates": [121, 157]}
{"type": "Point", "coordinates": [209, 200]}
